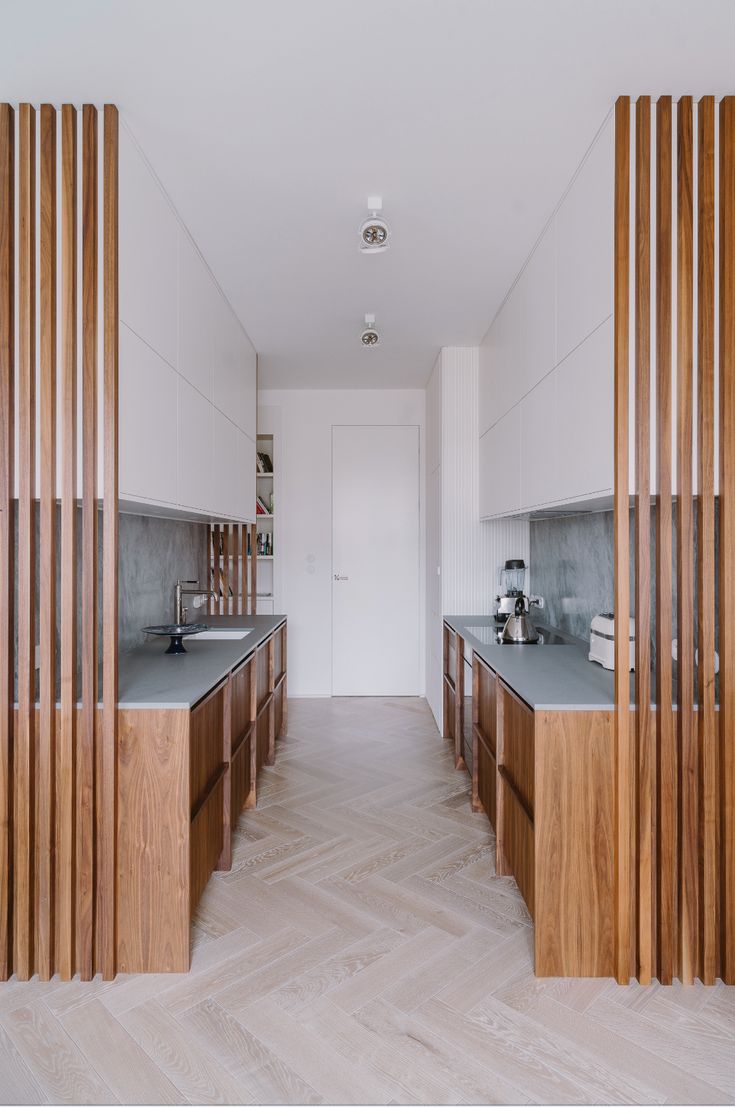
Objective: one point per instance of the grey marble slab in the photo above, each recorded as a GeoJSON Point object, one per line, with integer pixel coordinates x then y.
{"type": "Point", "coordinates": [151, 678]}
{"type": "Point", "coordinates": [547, 678]}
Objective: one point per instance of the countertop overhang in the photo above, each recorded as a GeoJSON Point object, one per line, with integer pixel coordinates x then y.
{"type": "Point", "coordinates": [151, 678]}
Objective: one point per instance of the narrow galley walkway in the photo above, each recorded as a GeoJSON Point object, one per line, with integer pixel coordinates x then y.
{"type": "Point", "coordinates": [362, 950]}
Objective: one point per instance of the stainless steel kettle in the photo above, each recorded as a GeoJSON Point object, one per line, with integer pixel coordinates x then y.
{"type": "Point", "coordinates": [519, 630]}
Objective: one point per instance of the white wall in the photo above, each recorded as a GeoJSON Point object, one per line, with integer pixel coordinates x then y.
{"type": "Point", "coordinates": [463, 553]}
{"type": "Point", "coordinates": [304, 511]}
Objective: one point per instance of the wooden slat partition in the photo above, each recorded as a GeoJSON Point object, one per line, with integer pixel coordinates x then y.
{"type": "Point", "coordinates": [45, 739]}
{"type": "Point", "coordinates": [727, 528]}
{"type": "Point", "coordinates": [254, 569]}
{"type": "Point", "coordinates": [58, 761]}
{"type": "Point", "coordinates": [23, 753]}
{"type": "Point", "coordinates": [7, 449]}
{"type": "Point", "coordinates": [85, 767]}
{"type": "Point", "coordinates": [645, 730]}
{"type": "Point", "coordinates": [682, 820]}
{"type": "Point", "coordinates": [709, 900]}
{"type": "Point", "coordinates": [66, 737]}
{"type": "Point", "coordinates": [667, 776]}
{"type": "Point", "coordinates": [689, 814]}
{"type": "Point", "coordinates": [623, 746]}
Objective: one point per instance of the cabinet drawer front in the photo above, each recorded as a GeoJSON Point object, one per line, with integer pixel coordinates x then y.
{"type": "Point", "coordinates": [279, 653]}
{"type": "Point", "coordinates": [242, 702]}
{"type": "Point", "coordinates": [239, 779]}
{"type": "Point", "coordinates": [487, 781]}
{"type": "Point", "coordinates": [518, 844]}
{"type": "Point", "coordinates": [487, 705]}
{"type": "Point", "coordinates": [263, 729]}
{"type": "Point", "coordinates": [278, 701]}
{"type": "Point", "coordinates": [263, 666]}
{"type": "Point", "coordinates": [206, 745]}
{"type": "Point", "coordinates": [207, 838]}
{"type": "Point", "coordinates": [517, 757]}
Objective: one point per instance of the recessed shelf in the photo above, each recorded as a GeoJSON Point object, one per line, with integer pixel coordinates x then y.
{"type": "Point", "coordinates": [268, 515]}
{"type": "Point", "coordinates": [264, 476]}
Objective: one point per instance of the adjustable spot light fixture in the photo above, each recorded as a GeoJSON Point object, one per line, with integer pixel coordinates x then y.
{"type": "Point", "coordinates": [374, 231]}
{"type": "Point", "coordinates": [370, 336]}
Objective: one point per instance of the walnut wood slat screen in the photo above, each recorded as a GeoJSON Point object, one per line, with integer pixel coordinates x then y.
{"type": "Point", "coordinates": [675, 765]}
{"type": "Point", "coordinates": [233, 569]}
{"type": "Point", "coordinates": [58, 762]}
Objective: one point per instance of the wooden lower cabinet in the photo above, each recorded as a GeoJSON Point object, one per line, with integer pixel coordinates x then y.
{"type": "Point", "coordinates": [453, 693]}
{"type": "Point", "coordinates": [184, 776]}
{"type": "Point", "coordinates": [545, 780]}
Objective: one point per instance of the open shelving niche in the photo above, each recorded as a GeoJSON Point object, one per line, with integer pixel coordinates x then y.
{"type": "Point", "coordinates": [265, 484]}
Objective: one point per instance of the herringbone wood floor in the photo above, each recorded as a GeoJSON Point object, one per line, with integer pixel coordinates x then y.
{"type": "Point", "coordinates": [362, 950]}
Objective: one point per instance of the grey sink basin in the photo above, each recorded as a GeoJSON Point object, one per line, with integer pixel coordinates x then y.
{"type": "Point", "coordinates": [216, 634]}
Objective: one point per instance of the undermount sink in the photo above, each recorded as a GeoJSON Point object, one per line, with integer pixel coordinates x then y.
{"type": "Point", "coordinates": [222, 635]}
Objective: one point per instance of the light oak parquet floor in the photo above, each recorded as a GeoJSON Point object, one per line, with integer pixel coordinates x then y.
{"type": "Point", "coordinates": [362, 950]}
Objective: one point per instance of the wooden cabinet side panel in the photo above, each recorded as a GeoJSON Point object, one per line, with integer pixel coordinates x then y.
{"type": "Point", "coordinates": [152, 847]}
{"type": "Point", "coordinates": [574, 824]}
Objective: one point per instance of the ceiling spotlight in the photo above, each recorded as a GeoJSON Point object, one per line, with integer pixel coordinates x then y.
{"type": "Point", "coordinates": [374, 231]}
{"type": "Point", "coordinates": [370, 336]}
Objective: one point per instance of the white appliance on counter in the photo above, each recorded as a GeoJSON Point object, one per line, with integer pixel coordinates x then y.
{"type": "Point", "coordinates": [602, 640]}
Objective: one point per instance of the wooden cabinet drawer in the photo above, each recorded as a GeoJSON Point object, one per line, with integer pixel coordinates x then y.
{"type": "Point", "coordinates": [206, 841]}
{"type": "Point", "coordinates": [239, 779]}
{"type": "Point", "coordinates": [487, 780]}
{"type": "Point", "coordinates": [517, 755]}
{"type": "Point", "coordinates": [206, 745]}
{"type": "Point", "coordinates": [278, 709]}
{"type": "Point", "coordinates": [263, 729]}
{"type": "Point", "coordinates": [518, 843]}
{"type": "Point", "coordinates": [263, 663]}
{"type": "Point", "coordinates": [486, 706]}
{"type": "Point", "coordinates": [279, 653]}
{"type": "Point", "coordinates": [241, 711]}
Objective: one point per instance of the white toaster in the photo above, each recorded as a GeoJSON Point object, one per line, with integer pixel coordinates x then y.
{"type": "Point", "coordinates": [602, 640]}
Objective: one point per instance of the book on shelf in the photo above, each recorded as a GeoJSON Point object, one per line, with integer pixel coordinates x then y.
{"type": "Point", "coordinates": [264, 463]}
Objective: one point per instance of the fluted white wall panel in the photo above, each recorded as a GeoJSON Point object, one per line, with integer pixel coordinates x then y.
{"type": "Point", "coordinates": [462, 568]}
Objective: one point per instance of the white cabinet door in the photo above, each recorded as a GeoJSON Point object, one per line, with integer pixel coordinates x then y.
{"type": "Point", "coordinates": [537, 291]}
{"type": "Point", "coordinates": [584, 248]}
{"type": "Point", "coordinates": [490, 358]}
{"type": "Point", "coordinates": [199, 315]}
{"type": "Point", "coordinates": [500, 467]}
{"type": "Point", "coordinates": [225, 456]}
{"type": "Point", "coordinates": [245, 479]}
{"type": "Point", "coordinates": [148, 422]}
{"type": "Point", "coordinates": [233, 381]}
{"type": "Point", "coordinates": [196, 474]}
{"type": "Point", "coordinates": [539, 469]}
{"type": "Point", "coordinates": [148, 254]}
{"type": "Point", "coordinates": [583, 428]}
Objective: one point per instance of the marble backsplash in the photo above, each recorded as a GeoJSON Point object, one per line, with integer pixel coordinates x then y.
{"type": "Point", "coordinates": [571, 566]}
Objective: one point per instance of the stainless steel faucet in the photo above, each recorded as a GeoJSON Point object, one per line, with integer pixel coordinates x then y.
{"type": "Point", "coordinates": [181, 612]}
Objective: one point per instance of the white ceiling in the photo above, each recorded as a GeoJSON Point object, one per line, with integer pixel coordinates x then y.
{"type": "Point", "coordinates": [270, 121]}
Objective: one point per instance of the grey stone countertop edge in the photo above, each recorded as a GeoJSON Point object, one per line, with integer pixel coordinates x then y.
{"type": "Point", "coordinates": [547, 678]}
{"type": "Point", "coordinates": [151, 678]}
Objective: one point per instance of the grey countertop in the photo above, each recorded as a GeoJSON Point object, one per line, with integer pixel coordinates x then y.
{"type": "Point", "coordinates": [151, 678]}
{"type": "Point", "coordinates": [547, 678]}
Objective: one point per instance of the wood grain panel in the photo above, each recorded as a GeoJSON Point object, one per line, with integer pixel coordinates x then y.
{"type": "Point", "coordinates": [645, 730]}
{"type": "Point", "coordinates": [65, 739]}
{"type": "Point", "coordinates": [206, 842]}
{"type": "Point", "coordinates": [518, 846]}
{"type": "Point", "coordinates": [667, 768]}
{"type": "Point", "coordinates": [205, 746]}
{"type": "Point", "coordinates": [485, 775]}
{"type": "Point", "coordinates": [106, 816]}
{"type": "Point", "coordinates": [688, 754]}
{"type": "Point", "coordinates": [284, 685]}
{"type": "Point", "coordinates": [241, 713]}
{"type": "Point", "coordinates": [624, 762]}
{"type": "Point", "coordinates": [575, 843]}
{"type": "Point", "coordinates": [23, 754]}
{"type": "Point", "coordinates": [7, 511]}
{"type": "Point", "coordinates": [239, 779]}
{"type": "Point", "coordinates": [706, 716]}
{"type": "Point", "coordinates": [46, 733]}
{"type": "Point", "coordinates": [153, 831]}
{"type": "Point", "coordinates": [458, 702]}
{"type": "Point", "coordinates": [727, 528]}
{"type": "Point", "coordinates": [518, 759]}
{"type": "Point", "coordinates": [86, 737]}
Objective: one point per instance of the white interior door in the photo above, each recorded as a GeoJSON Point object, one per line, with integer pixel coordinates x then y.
{"type": "Point", "coordinates": [375, 561]}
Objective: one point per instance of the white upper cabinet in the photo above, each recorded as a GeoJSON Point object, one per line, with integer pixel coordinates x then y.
{"type": "Point", "coordinates": [500, 467]}
{"type": "Point", "coordinates": [188, 402]}
{"type": "Point", "coordinates": [539, 470]}
{"type": "Point", "coordinates": [148, 419]}
{"type": "Point", "coordinates": [148, 254]}
{"type": "Point", "coordinates": [584, 247]}
{"type": "Point", "coordinates": [583, 424]}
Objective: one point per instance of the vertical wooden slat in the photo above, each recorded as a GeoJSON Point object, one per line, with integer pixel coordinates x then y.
{"type": "Point", "coordinates": [665, 737]}
{"type": "Point", "coordinates": [706, 717]}
{"type": "Point", "coordinates": [85, 769]}
{"type": "Point", "coordinates": [7, 494]}
{"type": "Point", "coordinates": [727, 528]}
{"type": "Point", "coordinates": [23, 760]}
{"type": "Point", "coordinates": [645, 734]}
{"type": "Point", "coordinates": [225, 568]}
{"type": "Point", "coordinates": [65, 804]}
{"type": "Point", "coordinates": [623, 750]}
{"type": "Point", "coordinates": [236, 569]}
{"type": "Point", "coordinates": [254, 569]}
{"type": "Point", "coordinates": [216, 567]}
{"type": "Point", "coordinates": [107, 816]}
{"type": "Point", "coordinates": [688, 759]}
{"type": "Point", "coordinates": [46, 731]}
